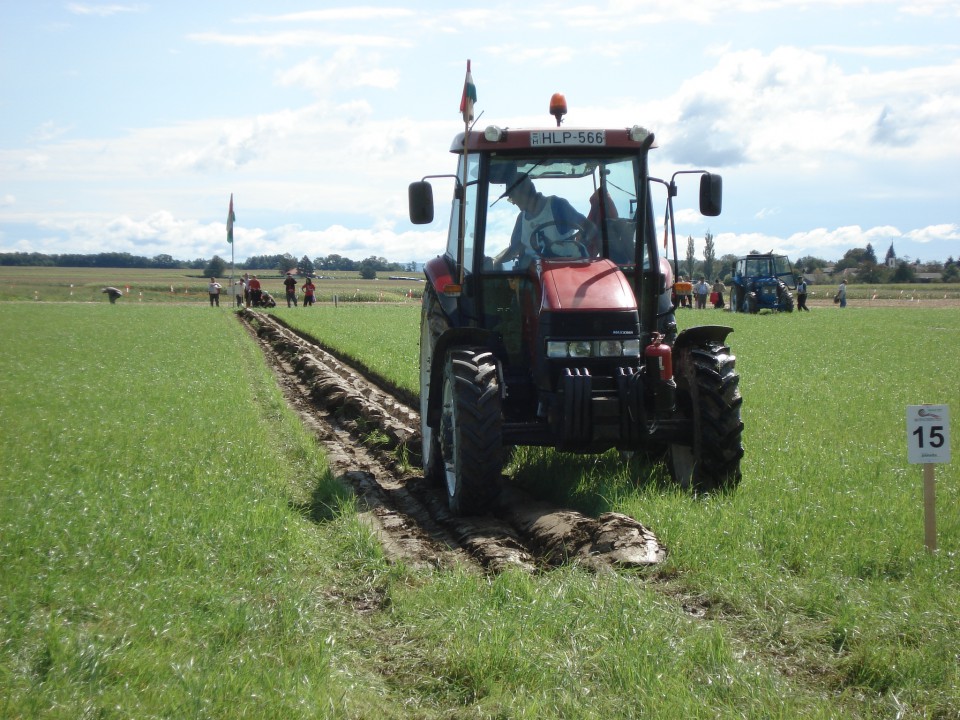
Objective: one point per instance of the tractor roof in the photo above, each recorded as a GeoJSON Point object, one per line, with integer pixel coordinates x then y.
{"type": "Point", "coordinates": [551, 139]}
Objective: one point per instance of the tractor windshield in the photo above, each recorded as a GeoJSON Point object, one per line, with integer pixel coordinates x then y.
{"type": "Point", "coordinates": [781, 266]}
{"type": "Point", "coordinates": [768, 266]}
{"type": "Point", "coordinates": [560, 207]}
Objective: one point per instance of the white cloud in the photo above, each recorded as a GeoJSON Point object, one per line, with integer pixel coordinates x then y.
{"type": "Point", "coordinates": [885, 51]}
{"type": "Point", "coordinates": [47, 132]}
{"type": "Point", "coordinates": [102, 10]}
{"type": "Point", "coordinates": [333, 15]}
{"type": "Point", "coordinates": [347, 68]}
{"type": "Point", "coordinates": [831, 244]}
{"type": "Point", "coordinates": [935, 233]}
{"type": "Point", "coordinates": [299, 38]}
{"type": "Point", "coordinates": [794, 106]}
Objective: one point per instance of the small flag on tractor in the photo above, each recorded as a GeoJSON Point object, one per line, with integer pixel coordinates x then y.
{"type": "Point", "coordinates": [230, 218]}
{"type": "Point", "coordinates": [469, 96]}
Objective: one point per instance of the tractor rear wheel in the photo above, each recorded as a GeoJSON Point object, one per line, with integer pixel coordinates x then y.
{"type": "Point", "coordinates": [784, 297]}
{"type": "Point", "coordinates": [471, 430]}
{"type": "Point", "coordinates": [433, 323]}
{"type": "Point", "coordinates": [708, 394]}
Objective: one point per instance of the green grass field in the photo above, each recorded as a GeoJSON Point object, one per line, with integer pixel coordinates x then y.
{"type": "Point", "coordinates": [172, 544]}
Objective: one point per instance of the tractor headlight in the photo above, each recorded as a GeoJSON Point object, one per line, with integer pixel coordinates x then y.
{"type": "Point", "coordinates": [593, 348]}
{"type": "Point", "coordinates": [580, 349]}
{"type": "Point", "coordinates": [611, 348]}
{"type": "Point", "coordinates": [556, 349]}
{"type": "Point", "coordinates": [631, 348]}
{"type": "Point", "coordinates": [569, 348]}
{"type": "Point", "coordinates": [494, 134]}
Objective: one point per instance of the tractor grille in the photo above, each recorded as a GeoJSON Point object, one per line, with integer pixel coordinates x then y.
{"type": "Point", "coordinates": [590, 325]}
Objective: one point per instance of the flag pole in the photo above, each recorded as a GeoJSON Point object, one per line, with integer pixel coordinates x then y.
{"type": "Point", "coordinates": [467, 101]}
{"type": "Point", "coordinates": [230, 218]}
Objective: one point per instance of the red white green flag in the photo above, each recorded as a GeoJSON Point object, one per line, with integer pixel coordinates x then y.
{"type": "Point", "coordinates": [230, 218]}
{"type": "Point", "coordinates": [469, 96]}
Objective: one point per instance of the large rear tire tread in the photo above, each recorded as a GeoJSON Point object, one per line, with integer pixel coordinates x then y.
{"type": "Point", "coordinates": [785, 298]}
{"type": "Point", "coordinates": [710, 391]}
{"type": "Point", "coordinates": [471, 430]}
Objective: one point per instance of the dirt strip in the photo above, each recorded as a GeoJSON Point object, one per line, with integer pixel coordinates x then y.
{"type": "Point", "coordinates": [366, 429]}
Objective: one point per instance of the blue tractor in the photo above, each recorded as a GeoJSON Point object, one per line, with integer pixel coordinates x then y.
{"type": "Point", "coordinates": [762, 282]}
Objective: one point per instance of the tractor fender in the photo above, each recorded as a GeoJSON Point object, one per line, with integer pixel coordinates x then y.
{"type": "Point", "coordinates": [692, 337]}
{"type": "Point", "coordinates": [454, 337]}
{"type": "Point", "coordinates": [439, 273]}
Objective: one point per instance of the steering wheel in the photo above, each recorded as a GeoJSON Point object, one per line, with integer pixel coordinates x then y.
{"type": "Point", "coordinates": [544, 246]}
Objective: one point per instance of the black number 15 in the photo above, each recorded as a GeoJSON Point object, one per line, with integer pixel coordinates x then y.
{"type": "Point", "coordinates": [936, 435]}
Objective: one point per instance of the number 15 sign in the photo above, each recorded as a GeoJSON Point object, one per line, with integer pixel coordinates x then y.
{"type": "Point", "coordinates": [928, 434]}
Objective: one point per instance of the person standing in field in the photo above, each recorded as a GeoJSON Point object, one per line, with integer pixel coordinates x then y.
{"type": "Point", "coordinates": [718, 292]}
{"type": "Point", "coordinates": [842, 293]}
{"type": "Point", "coordinates": [802, 295]}
{"type": "Point", "coordinates": [682, 291]}
{"type": "Point", "coordinates": [701, 290]}
{"type": "Point", "coordinates": [308, 292]}
{"type": "Point", "coordinates": [214, 290]}
{"type": "Point", "coordinates": [255, 291]}
{"type": "Point", "coordinates": [290, 283]}
{"type": "Point", "coordinates": [246, 289]}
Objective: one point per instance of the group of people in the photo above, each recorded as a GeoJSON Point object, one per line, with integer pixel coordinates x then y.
{"type": "Point", "coordinates": [253, 292]}
{"type": "Point", "coordinates": [687, 293]}
{"type": "Point", "coordinates": [701, 291]}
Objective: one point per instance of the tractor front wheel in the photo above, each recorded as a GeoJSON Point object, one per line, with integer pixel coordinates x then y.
{"type": "Point", "coordinates": [471, 430]}
{"type": "Point", "coordinates": [708, 395]}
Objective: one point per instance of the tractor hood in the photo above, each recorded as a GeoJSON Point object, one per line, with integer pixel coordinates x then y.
{"type": "Point", "coordinates": [581, 285]}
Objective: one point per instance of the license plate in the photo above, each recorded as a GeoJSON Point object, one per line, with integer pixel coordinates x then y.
{"type": "Point", "coordinates": [546, 138]}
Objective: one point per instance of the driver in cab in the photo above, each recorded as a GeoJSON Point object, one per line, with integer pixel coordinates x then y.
{"type": "Point", "coordinates": [547, 226]}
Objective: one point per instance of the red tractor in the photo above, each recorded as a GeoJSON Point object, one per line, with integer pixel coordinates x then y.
{"type": "Point", "coordinates": [548, 319]}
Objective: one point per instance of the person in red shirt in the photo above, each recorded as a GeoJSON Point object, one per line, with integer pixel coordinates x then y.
{"type": "Point", "coordinates": [255, 291]}
{"type": "Point", "coordinates": [308, 290]}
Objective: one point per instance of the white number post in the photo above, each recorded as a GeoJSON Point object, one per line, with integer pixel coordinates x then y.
{"type": "Point", "coordinates": [928, 443]}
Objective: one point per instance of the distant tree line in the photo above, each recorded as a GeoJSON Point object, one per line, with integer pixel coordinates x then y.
{"type": "Point", "coordinates": [215, 267]}
{"type": "Point", "coordinates": [286, 262]}
{"type": "Point", "coordinates": [99, 260]}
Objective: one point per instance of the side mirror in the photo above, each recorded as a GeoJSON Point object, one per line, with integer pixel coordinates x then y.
{"type": "Point", "coordinates": [420, 198]}
{"type": "Point", "coordinates": [711, 194]}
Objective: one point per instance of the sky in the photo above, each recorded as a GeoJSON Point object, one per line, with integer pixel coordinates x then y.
{"type": "Point", "coordinates": [125, 126]}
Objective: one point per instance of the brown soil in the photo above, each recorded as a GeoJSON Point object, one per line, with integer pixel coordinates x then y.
{"type": "Point", "coordinates": [409, 514]}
